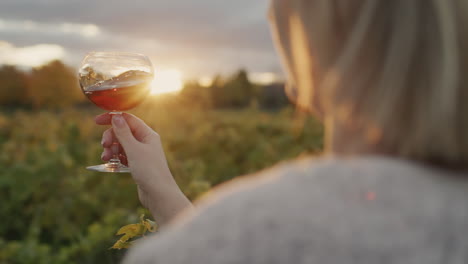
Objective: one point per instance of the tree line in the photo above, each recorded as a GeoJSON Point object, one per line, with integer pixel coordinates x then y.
{"type": "Point", "coordinates": [55, 85]}
{"type": "Point", "coordinates": [235, 91]}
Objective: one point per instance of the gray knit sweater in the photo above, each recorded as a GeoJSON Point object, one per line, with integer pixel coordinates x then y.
{"type": "Point", "coordinates": [333, 211]}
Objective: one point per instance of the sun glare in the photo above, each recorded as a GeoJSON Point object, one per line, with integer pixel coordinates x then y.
{"type": "Point", "coordinates": [205, 81]}
{"type": "Point", "coordinates": [167, 81]}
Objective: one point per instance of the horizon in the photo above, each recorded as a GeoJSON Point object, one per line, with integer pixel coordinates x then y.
{"type": "Point", "coordinates": [172, 80]}
{"type": "Point", "coordinates": [196, 40]}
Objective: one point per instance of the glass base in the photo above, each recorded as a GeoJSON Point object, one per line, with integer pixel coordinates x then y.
{"type": "Point", "coordinates": [110, 167]}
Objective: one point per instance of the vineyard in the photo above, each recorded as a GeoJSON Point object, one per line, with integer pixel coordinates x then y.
{"type": "Point", "coordinates": [55, 211]}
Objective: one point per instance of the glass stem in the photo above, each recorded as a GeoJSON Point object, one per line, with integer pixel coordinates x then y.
{"type": "Point", "coordinates": [115, 153]}
{"type": "Point", "coordinates": [115, 148]}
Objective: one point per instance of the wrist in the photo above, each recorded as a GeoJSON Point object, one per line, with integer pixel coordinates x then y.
{"type": "Point", "coordinates": [164, 206]}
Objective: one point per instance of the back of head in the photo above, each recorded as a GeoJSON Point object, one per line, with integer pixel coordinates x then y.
{"type": "Point", "coordinates": [392, 69]}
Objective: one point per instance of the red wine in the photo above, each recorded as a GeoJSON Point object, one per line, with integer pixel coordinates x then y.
{"type": "Point", "coordinates": [120, 93]}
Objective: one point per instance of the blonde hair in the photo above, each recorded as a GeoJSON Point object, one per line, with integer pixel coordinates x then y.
{"type": "Point", "coordinates": [392, 68]}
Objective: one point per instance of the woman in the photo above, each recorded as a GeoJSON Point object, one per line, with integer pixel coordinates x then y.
{"type": "Point", "coordinates": [387, 79]}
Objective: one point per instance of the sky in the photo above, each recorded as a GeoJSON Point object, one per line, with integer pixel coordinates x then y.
{"type": "Point", "coordinates": [198, 38]}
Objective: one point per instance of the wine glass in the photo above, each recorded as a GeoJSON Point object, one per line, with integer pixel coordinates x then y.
{"type": "Point", "coordinates": [116, 82]}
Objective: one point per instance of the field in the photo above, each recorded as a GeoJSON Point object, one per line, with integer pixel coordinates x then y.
{"type": "Point", "coordinates": [54, 211]}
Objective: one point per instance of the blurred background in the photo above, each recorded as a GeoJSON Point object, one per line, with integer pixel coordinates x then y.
{"type": "Point", "coordinates": [217, 101]}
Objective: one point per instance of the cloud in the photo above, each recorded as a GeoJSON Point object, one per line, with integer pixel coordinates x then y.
{"type": "Point", "coordinates": [200, 37]}
{"type": "Point", "coordinates": [30, 56]}
{"type": "Point", "coordinates": [25, 26]}
{"type": "Point", "coordinates": [241, 24]}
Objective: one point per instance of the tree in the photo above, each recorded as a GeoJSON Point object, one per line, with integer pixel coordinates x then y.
{"type": "Point", "coordinates": [236, 91]}
{"type": "Point", "coordinates": [239, 91]}
{"type": "Point", "coordinates": [12, 86]}
{"type": "Point", "coordinates": [193, 94]}
{"type": "Point", "coordinates": [272, 96]}
{"type": "Point", "coordinates": [216, 92]}
{"type": "Point", "coordinates": [53, 85]}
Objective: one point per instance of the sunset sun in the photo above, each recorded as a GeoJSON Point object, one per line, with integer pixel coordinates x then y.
{"type": "Point", "coordinates": [167, 81]}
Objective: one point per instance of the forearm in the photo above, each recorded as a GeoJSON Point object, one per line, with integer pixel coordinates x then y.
{"type": "Point", "coordinates": [157, 189]}
{"type": "Point", "coordinates": [164, 206]}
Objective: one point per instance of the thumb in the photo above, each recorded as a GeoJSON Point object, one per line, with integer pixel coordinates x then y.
{"type": "Point", "coordinates": [122, 132]}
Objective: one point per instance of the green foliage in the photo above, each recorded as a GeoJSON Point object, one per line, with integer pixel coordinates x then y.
{"type": "Point", "coordinates": [237, 91]}
{"type": "Point", "coordinates": [272, 96]}
{"type": "Point", "coordinates": [53, 85]}
{"type": "Point", "coordinates": [196, 96]}
{"type": "Point", "coordinates": [55, 211]}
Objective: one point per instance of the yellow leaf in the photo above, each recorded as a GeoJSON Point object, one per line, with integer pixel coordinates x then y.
{"type": "Point", "coordinates": [125, 238]}
{"type": "Point", "coordinates": [150, 226]}
{"type": "Point", "coordinates": [121, 245]}
{"type": "Point", "coordinates": [132, 230]}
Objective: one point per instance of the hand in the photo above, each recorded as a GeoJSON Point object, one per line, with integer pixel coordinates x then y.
{"type": "Point", "coordinates": [143, 152]}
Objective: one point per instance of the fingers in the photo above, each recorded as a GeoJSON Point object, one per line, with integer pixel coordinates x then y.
{"type": "Point", "coordinates": [140, 130]}
{"type": "Point", "coordinates": [123, 159]}
{"type": "Point", "coordinates": [107, 155]}
{"type": "Point", "coordinates": [107, 138]}
{"type": "Point", "coordinates": [104, 119]}
{"type": "Point", "coordinates": [123, 133]}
